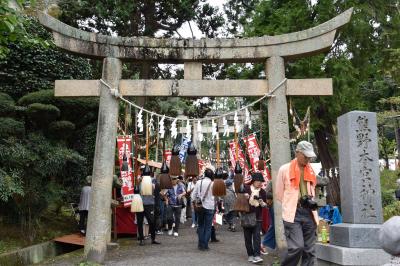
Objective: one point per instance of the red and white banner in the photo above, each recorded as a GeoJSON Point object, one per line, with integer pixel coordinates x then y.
{"type": "Point", "coordinates": [167, 156]}
{"type": "Point", "coordinates": [253, 150]}
{"type": "Point", "coordinates": [242, 159]}
{"type": "Point", "coordinates": [124, 144]}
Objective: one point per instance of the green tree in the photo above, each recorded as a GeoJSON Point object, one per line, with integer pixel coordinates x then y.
{"type": "Point", "coordinates": [40, 142]}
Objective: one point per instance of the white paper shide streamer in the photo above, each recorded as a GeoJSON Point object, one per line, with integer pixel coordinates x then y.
{"type": "Point", "coordinates": [174, 131]}
{"type": "Point", "coordinates": [247, 118]}
{"type": "Point", "coordinates": [140, 120]}
{"type": "Point", "coordinates": [188, 130]}
{"type": "Point", "coordinates": [226, 127]}
{"type": "Point", "coordinates": [200, 136]}
{"type": "Point", "coordinates": [161, 129]}
{"type": "Point", "coordinates": [214, 132]}
{"type": "Point", "coordinates": [151, 125]}
{"type": "Point", "coordinates": [236, 122]}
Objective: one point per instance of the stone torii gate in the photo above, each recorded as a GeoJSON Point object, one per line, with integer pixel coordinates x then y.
{"type": "Point", "coordinates": [271, 50]}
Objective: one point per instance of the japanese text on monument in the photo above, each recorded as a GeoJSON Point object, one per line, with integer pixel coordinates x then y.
{"type": "Point", "coordinates": [367, 190]}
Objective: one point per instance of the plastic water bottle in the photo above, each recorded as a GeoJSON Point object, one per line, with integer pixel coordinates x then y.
{"type": "Point", "coordinates": [324, 235]}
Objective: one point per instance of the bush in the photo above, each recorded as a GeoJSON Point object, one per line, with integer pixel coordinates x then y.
{"type": "Point", "coordinates": [43, 96]}
{"type": "Point", "coordinates": [72, 109]}
{"type": "Point", "coordinates": [388, 179]}
{"type": "Point", "coordinates": [43, 114]}
{"type": "Point", "coordinates": [6, 105]}
{"type": "Point", "coordinates": [61, 129]}
{"type": "Point", "coordinates": [388, 197]}
{"type": "Point", "coordinates": [10, 127]}
{"type": "Point", "coordinates": [391, 210]}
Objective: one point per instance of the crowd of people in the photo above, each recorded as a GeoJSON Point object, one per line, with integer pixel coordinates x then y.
{"type": "Point", "coordinates": [192, 199]}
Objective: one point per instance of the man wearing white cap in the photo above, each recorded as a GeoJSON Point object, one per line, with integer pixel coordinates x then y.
{"type": "Point", "coordinates": [295, 189]}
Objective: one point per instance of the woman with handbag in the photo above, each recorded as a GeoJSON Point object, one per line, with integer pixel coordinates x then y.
{"type": "Point", "coordinates": [251, 221]}
{"type": "Point", "coordinates": [174, 202]}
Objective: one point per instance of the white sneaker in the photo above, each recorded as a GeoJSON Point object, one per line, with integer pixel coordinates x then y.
{"type": "Point", "coordinates": [263, 251]}
{"type": "Point", "coordinates": [193, 225]}
{"type": "Point", "coordinates": [257, 259]}
{"type": "Point", "coordinates": [251, 259]}
{"type": "Point", "coordinates": [176, 234]}
{"type": "Point", "coordinates": [170, 232]}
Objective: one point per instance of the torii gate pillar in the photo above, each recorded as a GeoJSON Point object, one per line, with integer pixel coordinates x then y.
{"type": "Point", "coordinates": [279, 137]}
{"type": "Point", "coordinates": [99, 223]}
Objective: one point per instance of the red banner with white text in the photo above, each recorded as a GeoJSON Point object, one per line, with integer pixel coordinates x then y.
{"type": "Point", "coordinates": [124, 144]}
{"type": "Point", "coordinates": [253, 151]}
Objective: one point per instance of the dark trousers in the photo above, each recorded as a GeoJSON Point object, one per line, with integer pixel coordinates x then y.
{"type": "Point", "coordinates": [175, 218]}
{"type": "Point", "coordinates": [213, 234]}
{"type": "Point", "coordinates": [300, 236]}
{"type": "Point", "coordinates": [229, 217]}
{"type": "Point", "coordinates": [204, 219]}
{"type": "Point", "coordinates": [252, 239]}
{"type": "Point", "coordinates": [189, 208]}
{"type": "Point", "coordinates": [83, 220]}
{"type": "Point", "coordinates": [149, 214]}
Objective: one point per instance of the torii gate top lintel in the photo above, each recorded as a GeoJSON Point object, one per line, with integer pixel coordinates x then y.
{"type": "Point", "coordinates": [255, 49]}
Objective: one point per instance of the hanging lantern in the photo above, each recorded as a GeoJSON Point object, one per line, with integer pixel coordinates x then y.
{"type": "Point", "coordinates": [175, 164]}
{"type": "Point", "coordinates": [146, 186]}
{"type": "Point", "coordinates": [165, 178]}
{"type": "Point", "coordinates": [192, 163]}
{"type": "Point", "coordinates": [219, 187]}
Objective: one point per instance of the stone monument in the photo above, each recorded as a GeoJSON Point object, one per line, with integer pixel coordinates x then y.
{"type": "Point", "coordinates": [355, 241]}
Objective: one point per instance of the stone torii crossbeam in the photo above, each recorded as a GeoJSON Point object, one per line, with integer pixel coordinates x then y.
{"type": "Point", "coordinates": [271, 50]}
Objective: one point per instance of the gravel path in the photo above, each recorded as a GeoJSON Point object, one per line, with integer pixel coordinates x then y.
{"type": "Point", "coordinates": [180, 250]}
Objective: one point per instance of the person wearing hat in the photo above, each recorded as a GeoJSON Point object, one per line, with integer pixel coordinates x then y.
{"type": "Point", "coordinates": [257, 200]}
{"type": "Point", "coordinates": [203, 192]}
{"type": "Point", "coordinates": [389, 237]}
{"type": "Point", "coordinates": [295, 189]}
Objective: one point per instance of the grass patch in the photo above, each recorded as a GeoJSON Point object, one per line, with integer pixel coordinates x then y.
{"type": "Point", "coordinates": [51, 225]}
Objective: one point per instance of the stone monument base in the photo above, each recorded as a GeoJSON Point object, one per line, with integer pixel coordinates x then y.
{"type": "Point", "coordinates": [336, 255]}
{"type": "Point", "coordinates": [355, 235]}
